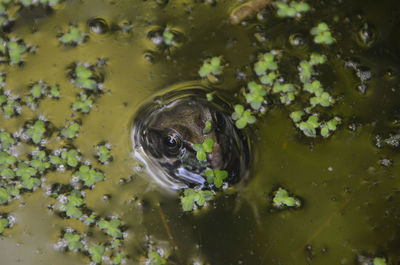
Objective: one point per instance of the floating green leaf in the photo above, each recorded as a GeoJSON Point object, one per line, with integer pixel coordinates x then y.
{"type": "Point", "coordinates": [296, 115]}
{"type": "Point", "coordinates": [309, 127]}
{"type": "Point", "coordinates": [6, 140]}
{"type": "Point", "coordinates": [70, 131]}
{"type": "Point", "coordinates": [256, 96]}
{"type": "Point", "coordinates": [37, 131]}
{"type": "Point", "coordinates": [379, 261]}
{"type": "Point", "coordinates": [84, 104]}
{"type": "Point", "coordinates": [73, 241]}
{"type": "Point", "coordinates": [242, 117]}
{"type": "Point", "coordinates": [321, 34]}
{"type": "Point", "coordinates": [207, 127]}
{"type": "Point", "coordinates": [71, 157]}
{"type": "Point", "coordinates": [211, 67]}
{"type": "Point", "coordinates": [190, 197]}
{"type": "Point", "coordinates": [15, 51]}
{"type": "Point", "coordinates": [203, 148]}
{"type": "Point", "coordinates": [111, 227]}
{"type": "Point", "coordinates": [154, 258]}
{"type": "Point", "coordinates": [103, 153]}
{"type": "Point", "coordinates": [216, 177]}
{"type": "Point", "coordinates": [282, 198]}
{"type": "Point", "coordinates": [88, 175]}
{"type": "Point", "coordinates": [168, 37]}
{"type": "Point", "coordinates": [84, 78]}
{"type": "Point", "coordinates": [96, 253]}
{"type": "Point", "coordinates": [74, 36]}
{"type": "Point", "coordinates": [3, 224]}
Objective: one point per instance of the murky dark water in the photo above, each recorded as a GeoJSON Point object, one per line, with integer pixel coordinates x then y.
{"type": "Point", "coordinates": [348, 183]}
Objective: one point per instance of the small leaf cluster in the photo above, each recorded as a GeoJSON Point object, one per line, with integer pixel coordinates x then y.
{"type": "Point", "coordinates": [154, 258]}
{"type": "Point", "coordinates": [103, 153]}
{"type": "Point", "coordinates": [10, 105]}
{"type": "Point", "coordinates": [282, 199]}
{"type": "Point", "coordinates": [73, 241]}
{"type": "Point", "coordinates": [37, 131]}
{"type": "Point", "coordinates": [69, 157]}
{"type": "Point", "coordinates": [16, 49]}
{"type": "Point", "coordinates": [112, 227]}
{"type": "Point", "coordinates": [256, 94]}
{"type": "Point", "coordinates": [287, 92]}
{"type": "Point", "coordinates": [4, 223]}
{"type": "Point", "coordinates": [294, 9]}
{"type": "Point", "coordinates": [27, 173]}
{"type": "Point", "coordinates": [192, 198]}
{"type": "Point", "coordinates": [6, 140]}
{"type": "Point", "coordinates": [40, 161]}
{"type": "Point", "coordinates": [309, 127]}
{"type": "Point", "coordinates": [88, 175]}
{"type": "Point", "coordinates": [73, 37]}
{"type": "Point", "coordinates": [28, 3]}
{"type": "Point", "coordinates": [216, 176]}
{"type": "Point", "coordinates": [72, 204]}
{"type": "Point", "coordinates": [321, 34]}
{"type": "Point", "coordinates": [211, 67]}
{"type": "Point", "coordinates": [96, 253]}
{"type": "Point", "coordinates": [306, 70]}
{"type": "Point", "coordinates": [168, 37]}
{"type": "Point", "coordinates": [70, 131]}
{"type": "Point", "coordinates": [203, 148]}
{"type": "Point", "coordinates": [84, 103]}
{"type": "Point", "coordinates": [207, 127]}
{"type": "Point", "coordinates": [39, 90]}
{"type": "Point", "coordinates": [379, 261]}
{"type": "Point", "coordinates": [320, 96]}
{"type": "Point", "coordinates": [242, 116]}
{"type": "Point", "coordinates": [85, 78]}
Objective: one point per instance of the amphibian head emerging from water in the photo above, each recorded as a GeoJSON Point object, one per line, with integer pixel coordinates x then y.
{"type": "Point", "coordinates": [167, 128]}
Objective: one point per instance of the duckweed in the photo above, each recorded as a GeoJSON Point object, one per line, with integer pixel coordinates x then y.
{"type": "Point", "coordinates": [168, 37]}
{"type": "Point", "coordinates": [88, 175]}
{"type": "Point", "coordinates": [70, 157]}
{"type": "Point", "coordinates": [70, 131]}
{"type": "Point", "coordinates": [84, 78]}
{"type": "Point", "coordinates": [103, 153]}
{"type": "Point", "coordinates": [291, 10]}
{"type": "Point", "coordinates": [203, 148]}
{"type": "Point", "coordinates": [96, 253]}
{"type": "Point", "coordinates": [309, 127]}
{"type": "Point", "coordinates": [4, 196]}
{"type": "Point", "coordinates": [256, 96]}
{"type": "Point", "coordinates": [216, 177]}
{"type": "Point", "coordinates": [242, 117]}
{"type": "Point", "coordinates": [154, 258]}
{"type": "Point", "coordinates": [211, 67]}
{"type": "Point", "coordinates": [16, 51]}
{"type": "Point", "coordinates": [73, 37]}
{"type": "Point", "coordinates": [27, 173]}
{"type": "Point", "coordinates": [207, 127]}
{"type": "Point", "coordinates": [379, 261]}
{"type": "Point", "coordinates": [266, 62]}
{"type": "Point", "coordinates": [6, 140]}
{"type": "Point", "coordinates": [3, 224]}
{"type": "Point", "coordinates": [84, 104]}
{"type": "Point", "coordinates": [282, 199]}
{"type": "Point", "coordinates": [321, 34]}
{"type": "Point", "coordinates": [192, 198]}
{"type": "Point", "coordinates": [40, 161]}
{"type": "Point", "coordinates": [36, 132]}
{"type": "Point", "coordinates": [72, 204]}
{"type": "Point", "coordinates": [111, 227]}
{"type": "Point", "coordinates": [73, 241]}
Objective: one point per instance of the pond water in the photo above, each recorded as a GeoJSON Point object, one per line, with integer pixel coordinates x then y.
{"type": "Point", "coordinates": [348, 183]}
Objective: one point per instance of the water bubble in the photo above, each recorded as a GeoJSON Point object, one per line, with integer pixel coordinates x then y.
{"type": "Point", "coordinates": [296, 39]}
{"type": "Point", "coordinates": [366, 36]}
{"type": "Point", "coordinates": [98, 25]}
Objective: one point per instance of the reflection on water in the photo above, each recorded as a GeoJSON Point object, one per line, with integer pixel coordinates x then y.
{"type": "Point", "coordinates": [347, 183]}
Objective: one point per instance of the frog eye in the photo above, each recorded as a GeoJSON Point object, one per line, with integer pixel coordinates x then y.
{"type": "Point", "coordinates": [172, 144]}
{"type": "Point", "coordinates": [218, 119]}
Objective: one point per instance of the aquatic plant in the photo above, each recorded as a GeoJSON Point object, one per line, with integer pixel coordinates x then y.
{"type": "Point", "coordinates": [84, 77]}
{"type": "Point", "coordinates": [73, 37]}
{"type": "Point", "coordinates": [379, 261]}
{"type": "Point", "coordinates": [103, 153]}
{"type": "Point", "coordinates": [207, 127]}
{"type": "Point", "coordinates": [96, 253]}
{"type": "Point", "coordinates": [70, 131]}
{"type": "Point", "coordinates": [256, 95]}
{"type": "Point", "coordinates": [292, 9]}
{"type": "Point", "coordinates": [16, 49]}
{"type": "Point", "coordinates": [6, 140]}
{"type": "Point", "coordinates": [321, 34]}
{"type": "Point", "coordinates": [266, 62]}
{"type": "Point", "coordinates": [154, 258]}
{"type": "Point", "coordinates": [111, 227]}
{"type": "Point", "coordinates": [168, 37]}
{"type": "Point", "coordinates": [89, 175]}
{"type": "Point", "coordinates": [282, 199]}
{"type": "Point", "coordinates": [242, 117]}
{"type": "Point", "coordinates": [216, 176]}
{"type": "Point", "coordinates": [211, 67]}
{"type": "Point", "coordinates": [192, 198]}
{"type": "Point", "coordinates": [84, 103]}
{"type": "Point", "coordinates": [4, 223]}
{"type": "Point", "coordinates": [203, 148]}
{"type": "Point", "coordinates": [36, 131]}
{"type": "Point", "coordinates": [73, 241]}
